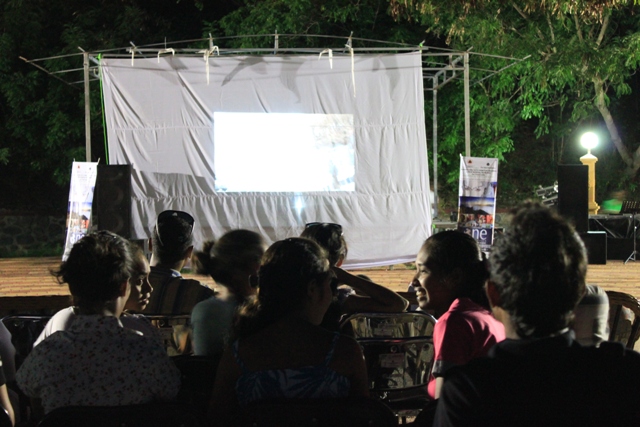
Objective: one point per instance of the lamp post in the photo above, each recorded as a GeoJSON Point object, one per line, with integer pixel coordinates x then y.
{"type": "Point", "coordinates": [589, 140]}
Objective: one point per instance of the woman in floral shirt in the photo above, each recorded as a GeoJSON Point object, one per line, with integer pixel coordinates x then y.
{"type": "Point", "coordinates": [97, 362]}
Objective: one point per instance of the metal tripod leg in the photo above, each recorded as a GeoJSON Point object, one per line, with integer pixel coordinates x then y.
{"type": "Point", "coordinates": [632, 257]}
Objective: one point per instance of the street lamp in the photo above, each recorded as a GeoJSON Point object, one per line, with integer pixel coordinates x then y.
{"type": "Point", "coordinates": [589, 140]}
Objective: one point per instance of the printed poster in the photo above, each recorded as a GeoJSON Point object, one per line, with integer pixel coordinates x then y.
{"type": "Point", "coordinates": [477, 198]}
{"type": "Point", "coordinates": [83, 183]}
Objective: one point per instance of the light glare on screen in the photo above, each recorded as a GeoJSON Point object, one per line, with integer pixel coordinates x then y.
{"type": "Point", "coordinates": [283, 152]}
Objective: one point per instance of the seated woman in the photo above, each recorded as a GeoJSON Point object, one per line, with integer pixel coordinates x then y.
{"type": "Point", "coordinates": [95, 361]}
{"type": "Point", "coordinates": [231, 261]}
{"type": "Point", "coordinates": [281, 351]}
{"type": "Point", "coordinates": [368, 296]}
{"type": "Point", "coordinates": [450, 284]}
{"type": "Point", "coordinates": [138, 299]}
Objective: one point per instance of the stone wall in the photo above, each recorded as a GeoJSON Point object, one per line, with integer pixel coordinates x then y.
{"type": "Point", "coordinates": [24, 234]}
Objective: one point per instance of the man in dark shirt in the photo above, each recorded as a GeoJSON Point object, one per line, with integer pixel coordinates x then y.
{"type": "Point", "coordinates": [540, 375]}
{"type": "Point", "coordinates": [172, 246]}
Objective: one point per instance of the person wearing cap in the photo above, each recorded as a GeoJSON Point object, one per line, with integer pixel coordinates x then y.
{"type": "Point", "coordinates": [171, 247]}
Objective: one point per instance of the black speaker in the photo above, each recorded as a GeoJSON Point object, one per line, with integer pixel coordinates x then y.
{"type": "Point", "coordinates": [113, 199]}
{"type": "Point", "coordinates": [596, 244]}
{"type": "Point", "coordinates": [573, 195]}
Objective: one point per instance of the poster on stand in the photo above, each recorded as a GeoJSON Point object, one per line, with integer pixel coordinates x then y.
{"type": "Point", "coordinates": [83, 182]}
{"type": "Point", "coordinates": [477, 198]}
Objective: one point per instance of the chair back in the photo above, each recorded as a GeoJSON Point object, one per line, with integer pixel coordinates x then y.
{"type": "Point", "coordinates": [198, 374]}
{"type": "Point", "coordinates": [5, 420]}
{"type": "Point", "coordinates": [161, 414]}
{"type": "Point", "coordinates": [624, 318]}
{"type": "Point", "coordinates": [399, 353]}
{"type": "Point", "coordinates": [175, 331]}
{"type": "Point", "coordinates": [24, 332]}
{"type": "Point", "coordinates": [390, 325]}
{"type": "Point", "coordinates": [349, 412]}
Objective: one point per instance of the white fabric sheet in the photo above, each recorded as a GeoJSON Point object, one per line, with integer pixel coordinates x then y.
{"type": "Point", "coordinates": [159, 118]}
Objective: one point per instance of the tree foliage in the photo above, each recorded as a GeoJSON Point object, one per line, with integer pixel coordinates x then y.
{"type": "Point", "coordinates": [42, 118]}
{"type": "Point", "coordinates": [367, 19]}
{"type": "Point", "coordinates": [582, 56]}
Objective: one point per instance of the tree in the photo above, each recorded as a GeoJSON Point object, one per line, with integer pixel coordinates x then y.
{"type": "Point", "coordinates": [583, 54]}
{"type": "Point", "coordinates": [42, 118]}
{"type": "Point", "coordinates": [367, 19]}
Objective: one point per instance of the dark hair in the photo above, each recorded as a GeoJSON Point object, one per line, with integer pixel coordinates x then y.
{"type": "Point", "coordinates": [235, 250]}
{"type": "Point", "coordinates": [96, 267]}
{"type": "Point", "coordinates": [330, 238]}
{"type": "Point", "coordinates": [288, 268]}
{"type": "Point", "coordinates": [138, 256]}
{"type": "Point", "coordinates": [177, 237]}
{"type": "Point", "coordinates": [539, 267]}
{"type": "Point", "coordinates": [455, 252]}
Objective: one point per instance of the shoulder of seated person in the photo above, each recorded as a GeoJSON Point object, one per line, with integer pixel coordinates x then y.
{"type": "Point", "coordinates": [348, 344]}
{"type": "Point", "coordinates": [194, 282]}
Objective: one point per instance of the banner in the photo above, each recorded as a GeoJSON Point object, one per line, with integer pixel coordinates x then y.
{"type": "Point", "coordinates": [477, 198]}
{"type": "Point", "coordinates": [83, 182]}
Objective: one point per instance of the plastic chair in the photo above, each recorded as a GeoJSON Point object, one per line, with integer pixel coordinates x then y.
{"type": "Point", "coordinates": [175, 331]}
{"type": "Point", "coordinates": [24, 332]}
{"type": "Point", "coordinates": [622, 328]}
{"type": "Point", "coordinates": [198, 374]}
{"type": "Point", "coordinates": [5, 421]}
{"type": "Point", "coordinates": [160, 414]}
{"type": "Point", "coordinates": [348, 412]}
{"type": "Point", "coordinates": [399, 353]}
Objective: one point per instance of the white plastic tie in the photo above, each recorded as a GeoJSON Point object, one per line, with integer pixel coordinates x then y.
{"type": "Point", "coordinates": [163, 51]}
{"type": "Point", "coordinates": [353, 67]}
{"type": "Point", "coordinates": [133, 52]}
{"type": "Point", "coordinates": [206, 54]}
{"type": "Point", "coordinates": [330, 53]}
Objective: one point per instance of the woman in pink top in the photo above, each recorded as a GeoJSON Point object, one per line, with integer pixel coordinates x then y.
{"type": "Point", "coordinates": [450, 283]}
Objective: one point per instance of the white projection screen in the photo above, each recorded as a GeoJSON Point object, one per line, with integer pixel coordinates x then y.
{"type": "Point", "coordinates": [292, 139]}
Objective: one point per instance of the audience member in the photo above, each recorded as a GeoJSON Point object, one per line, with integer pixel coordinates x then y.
{"type": "Point", "coordinates": [5, 402]}
{"type": "Point", "coordinates": [281, 351]}
{"type": "Point", "coordinates": [451, 273]}
{"type": "Point", "coordinates": [231, 261]}
{"type": "Point", "coordinates": [96, 361]}
{"type": "Point", "coordinates": [7, 353]}
{"type": "Point", "coordinates": [591, 317]}
{"type": "Point", "coordinates": [138, 299]}
{"type": "Point", "coordinates": [361, 295]}
{"type": "Point", "coordinates": [171, 247]}
{"type": "Point", "coordinates": [540, 375]}
{"type": "Point", "coordinates": [8, 360]}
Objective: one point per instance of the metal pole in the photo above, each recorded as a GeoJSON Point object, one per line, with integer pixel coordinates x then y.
{"type": "Point", "coordinates": [87, 107]}
{"type": "Point", "coordinates": [467, 113]}
{"type": "Point", "coordinates": [435, 146]}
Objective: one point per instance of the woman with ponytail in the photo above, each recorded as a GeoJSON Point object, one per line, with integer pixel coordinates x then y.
{"type": "Point", "coordinates": [233, 263]}
{"type": "Point", "coordinates": [452, 271]}
{"type": "Point", "coordinates": [280, 351]}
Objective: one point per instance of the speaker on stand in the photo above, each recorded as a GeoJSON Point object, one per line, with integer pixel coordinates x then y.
{"type": "Point", "coordinates": [573, 195]}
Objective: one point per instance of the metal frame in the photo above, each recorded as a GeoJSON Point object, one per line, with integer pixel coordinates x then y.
{"type": "Point", "coordinates": [440, 73]}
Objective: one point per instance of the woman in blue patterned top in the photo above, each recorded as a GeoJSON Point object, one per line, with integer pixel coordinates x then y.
{"type": "Point", "coordinates": [280, 351]}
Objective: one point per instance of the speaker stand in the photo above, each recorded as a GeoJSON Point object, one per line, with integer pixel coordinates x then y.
{"type": "Point", "coordinates": [631, 207]}
{"type": "Point", "coordinates": [632, 257]}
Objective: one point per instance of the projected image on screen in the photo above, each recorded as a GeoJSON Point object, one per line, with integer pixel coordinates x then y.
{"type": "Point", "coordinates": [283, 152]}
